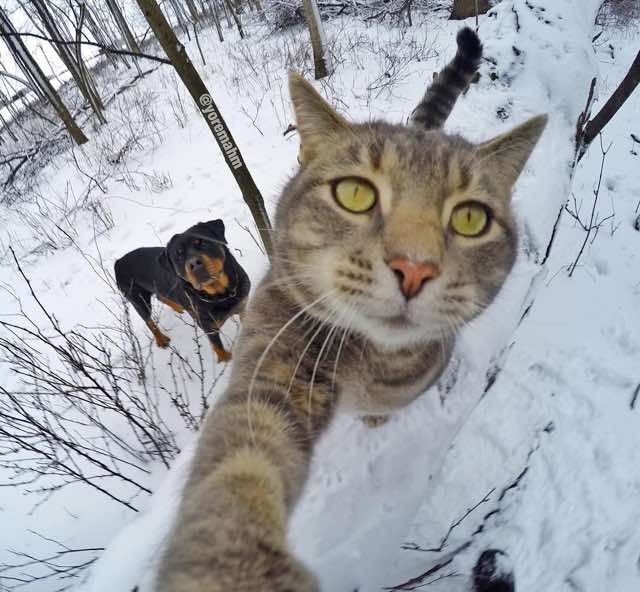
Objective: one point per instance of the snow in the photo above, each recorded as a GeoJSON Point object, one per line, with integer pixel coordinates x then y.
{"type": "Point", "coordinates": [532, 425]}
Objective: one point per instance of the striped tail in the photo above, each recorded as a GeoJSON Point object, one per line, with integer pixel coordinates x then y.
{"type": "Point", "coordinates": [449, 83]}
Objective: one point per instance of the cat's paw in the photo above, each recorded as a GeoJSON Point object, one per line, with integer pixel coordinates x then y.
{"type": "Point", "coordinates": [265, 569]}
{"type": "Point", "coordinates": [272, 572]}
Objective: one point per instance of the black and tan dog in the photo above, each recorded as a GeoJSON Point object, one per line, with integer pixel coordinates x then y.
{"type": "Point", "coordinates": [195, 272]}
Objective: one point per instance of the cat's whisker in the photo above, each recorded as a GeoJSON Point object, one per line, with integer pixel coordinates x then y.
{"type": "Point", "coordinates": [452, 326]}
{"type": "Point", "coordinates": [334, 326]}
{"type": "Point", "coordinates": [264, 354]}
{"type": "Point", "coordinates": [289, 280]}
{"type": "Point", "coordinates": [352, 309]}
{"type": "Point", "coordinates": [321, 324]}
{"type": "Point", "coordinates": [295, 262]}
{"type": "Point", "coordinates": [441, 342]}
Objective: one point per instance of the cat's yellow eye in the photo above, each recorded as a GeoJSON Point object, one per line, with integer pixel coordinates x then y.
{"type": "Point", "coordinates": [355, 194]}
{"type": "Point", "coordinates": [470, 218]}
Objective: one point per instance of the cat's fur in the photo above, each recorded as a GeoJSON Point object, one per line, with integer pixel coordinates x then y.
{"type": "Point", "coordinates": [328, 327]}
{"type": "Point", "coordinates": [452, 80]}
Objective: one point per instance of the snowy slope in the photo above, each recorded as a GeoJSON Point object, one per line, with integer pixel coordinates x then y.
{"type": "Point", "coordinates": [559, 405]}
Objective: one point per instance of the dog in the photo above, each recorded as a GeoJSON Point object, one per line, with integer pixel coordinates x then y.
{"type": "Point", "coordinates": [195, 272]}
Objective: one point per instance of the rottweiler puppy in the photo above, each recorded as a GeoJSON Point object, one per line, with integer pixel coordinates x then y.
{"type": "Point", "coordinates": [195, 272]}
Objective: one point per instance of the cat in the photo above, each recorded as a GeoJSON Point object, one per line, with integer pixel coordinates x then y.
{"type": "Point", "coordinates": [388, 239]}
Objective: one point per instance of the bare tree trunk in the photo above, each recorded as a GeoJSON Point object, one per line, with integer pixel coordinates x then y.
{"type": "Point", "coordinates": [318, 44]}
{"type": "Point", "coordinates": [463, 9]}
{"type": "Point", "coordinates": [102, 33]}
{"type": "Point", "coordinates": [181, 15]}
{"type": "Point", "coordinates": [193, 11]}
{"type": "Point", "coordinates": [32, 70]}
{"type": "Point", "coordinates": [126, 32]}
{"type": "Point", "coordinates": [595, 125]}
{"type": "Point", "coordinates": [76, 68]}
{"type": "Point", "coordinates": [4, 103]}
{"type": "Point", "coordinates": [86, 80]}
{"type": "Point", "coordinates": [193, 82]}
{"type": "Point", "coordinates": [216, 19]}
{"type": "Point", "coordinates": [226, 13]}
{"type": "Point", "coordinates": [236, 18]}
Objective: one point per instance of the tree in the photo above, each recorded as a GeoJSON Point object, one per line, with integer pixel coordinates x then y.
{"type": "Point", "coordinates": [318, 43]}
{"type": "Point", "coordinates": [76, 67]}
{"type": "Point", "coordinates": [463, 9]}
{"type": "Point", "coordinates": [197, 89]}
{"type": "Point", "coordinates": [126, 32]}
{"type": "Point", "coordinates": [34, 73]}
{"type": "Point", "coordinates": [595, 125]}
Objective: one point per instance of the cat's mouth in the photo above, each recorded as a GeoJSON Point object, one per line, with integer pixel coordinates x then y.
{"type": "Point", "coordinates": [397, 321]}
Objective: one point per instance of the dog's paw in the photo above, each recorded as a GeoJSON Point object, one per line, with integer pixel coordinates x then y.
{"type": "Point", "coordinates": [162, 341]}
{"type": "Point", "coordinates": [223, 355]}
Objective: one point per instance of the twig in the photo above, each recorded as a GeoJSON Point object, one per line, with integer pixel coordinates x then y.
{"type": "Point", "coordinates": [248, 230]}
{"type": "Point", "coordinates": [556, 224]}
{"type": "Point", "coordinates": [636, 393]}
{"type": "Point", "coordinates": [515, 12]}
{"type": "Point", "coordinates": [582, 120]}
{"type": "Point", "coordinates": [596, 192]}
{"type": "Point", "coordinates": [454, 525]}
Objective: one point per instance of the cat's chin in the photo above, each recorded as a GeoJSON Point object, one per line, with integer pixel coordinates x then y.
{"type": "Point", "coordinates": [397, 332]}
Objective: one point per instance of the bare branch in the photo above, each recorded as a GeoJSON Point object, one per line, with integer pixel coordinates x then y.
{"type": "Point", "coordinates": [105, 48]}
{"type": "Point", "coordinates": [595, 125]}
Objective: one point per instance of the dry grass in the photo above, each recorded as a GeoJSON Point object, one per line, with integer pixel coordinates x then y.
{"type": "Point", "coordinates": [619, 13]}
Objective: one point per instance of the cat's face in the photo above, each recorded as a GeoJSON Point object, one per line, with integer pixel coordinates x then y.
{"type": "Point", "coordinates": [399, 233]}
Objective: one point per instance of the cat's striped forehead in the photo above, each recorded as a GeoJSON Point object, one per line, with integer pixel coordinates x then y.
{"type": "Point", "coordinates": [402, 162]}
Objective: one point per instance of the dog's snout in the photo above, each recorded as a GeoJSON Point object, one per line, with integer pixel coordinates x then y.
{"type": "Point", "coordinates": [195, 263]}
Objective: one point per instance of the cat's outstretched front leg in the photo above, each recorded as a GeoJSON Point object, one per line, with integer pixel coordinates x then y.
{"type": "Point", "coordinates": [230, 531]}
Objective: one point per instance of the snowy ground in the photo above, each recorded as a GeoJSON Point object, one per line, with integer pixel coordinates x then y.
{"type": "Point", "coordinates": [533, 424]}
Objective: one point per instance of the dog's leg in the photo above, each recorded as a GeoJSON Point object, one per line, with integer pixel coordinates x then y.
{"type": "Point", "coordinates": [162, 340]}
{"type": "Point", "coordinates": [141, 301]}
{"type": "Point", "coordinates": [171, 304]}
{"type": "Point", "coordinates": [222, 354]}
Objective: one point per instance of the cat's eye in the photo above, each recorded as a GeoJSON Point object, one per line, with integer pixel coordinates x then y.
{"type": "Point", "coordinates": [354, 194]}
{"type": "Point", "coordinates": [470, 218]}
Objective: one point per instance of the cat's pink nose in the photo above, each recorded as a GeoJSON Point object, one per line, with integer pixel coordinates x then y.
{"type": "Point", "coordinates": [412, 276]}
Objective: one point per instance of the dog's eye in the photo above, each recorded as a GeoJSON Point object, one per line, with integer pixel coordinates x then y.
{"type": "Point", "coordinates": [196, 242]}
{"type": "Point", "coordinates": [180, 252]}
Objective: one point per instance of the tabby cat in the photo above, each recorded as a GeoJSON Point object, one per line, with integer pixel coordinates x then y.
{"type": "Point", "coordinates": [388, 239]}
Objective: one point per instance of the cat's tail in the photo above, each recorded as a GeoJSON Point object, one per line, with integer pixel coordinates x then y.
{"type": "Point", "coordinates": [449, 83]}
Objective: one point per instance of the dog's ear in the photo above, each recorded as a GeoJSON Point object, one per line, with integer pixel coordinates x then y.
{"type": "Point", "coordinates": [216, 227]}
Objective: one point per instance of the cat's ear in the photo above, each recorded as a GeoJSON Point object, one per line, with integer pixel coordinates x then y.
{"type": "Point", "coordinates": [317, 123]}
{"type": "Point", "coordinates": [506, 155]}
